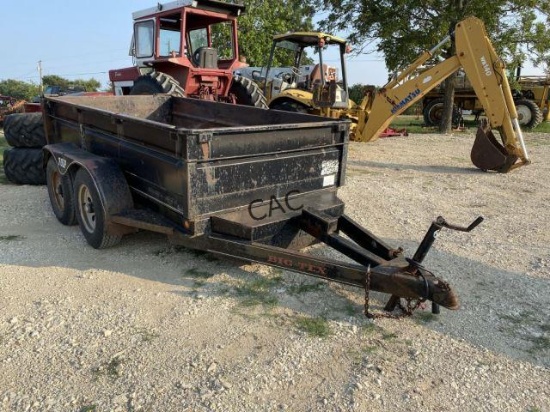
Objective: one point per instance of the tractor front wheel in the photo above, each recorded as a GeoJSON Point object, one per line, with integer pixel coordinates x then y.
{"type": "Point", "coordinates": [433, 113]}
{"type": "Point", "coordinates": [155, 83]}
{"type": "Point", "coordinates": [247, 92]}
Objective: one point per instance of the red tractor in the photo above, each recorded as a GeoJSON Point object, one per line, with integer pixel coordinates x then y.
{"type": "Point", "coordinates": [187, 48]}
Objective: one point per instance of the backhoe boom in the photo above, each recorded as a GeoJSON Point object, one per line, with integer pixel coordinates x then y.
{"type": "Point", "coordinates": [477, 57]}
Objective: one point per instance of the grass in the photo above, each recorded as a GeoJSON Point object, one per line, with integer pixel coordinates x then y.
{"type": "Point", "coordinates": [11, 238]}
{"type": "Point", "coordinates": [257, 292]}
{"type": "Point", "coordinates": [316, 327]}
{"type": "Point", "coordinates": [88, 408]}
{"type": "Point", "coordinates": [415, 124]}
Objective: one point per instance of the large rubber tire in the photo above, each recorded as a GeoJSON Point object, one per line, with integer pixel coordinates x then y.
{"type": "Point", "coordinates": [155, 83]}
{"type": "Point", "coordinates": [529, 114]}
{"type": "Point", "coordinates": [433, 113]}
{"type": "Point", "coordinates": [24, 166]}
{"type": "Point", "coordinates": [25, 130]}
{"type": "Point", "coordinates": [289, 106]}
{"type": "Point", "coordinates": [90, 212]}
{"type": "Point", "coordinates": [60, 191]}
{"type": "Point", "coordinates": [247, 92]}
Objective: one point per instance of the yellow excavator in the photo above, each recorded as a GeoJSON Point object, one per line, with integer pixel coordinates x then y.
{"type": "Point", "coordinates": [324, 92]}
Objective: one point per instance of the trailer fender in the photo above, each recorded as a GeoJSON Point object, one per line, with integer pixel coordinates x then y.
{"type": "Point", "coordinates": [106, 175]}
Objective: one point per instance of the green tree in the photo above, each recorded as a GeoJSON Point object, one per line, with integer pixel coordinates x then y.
{"type": "Point", "coordinates": [91, 85]}
{"type": "Point", "coordinates": [401, 30]}
{"type": "Point", "coordinates": [265, 18]}
{"type": "Point", "coordinates": [18, 89]}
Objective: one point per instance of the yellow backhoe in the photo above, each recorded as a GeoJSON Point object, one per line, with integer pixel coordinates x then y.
{"type": "Point", "coordinates": [322, 92]}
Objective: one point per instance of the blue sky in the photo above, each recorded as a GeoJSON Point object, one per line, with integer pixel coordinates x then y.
{"type": "Point", "coordinates": [84, 39]}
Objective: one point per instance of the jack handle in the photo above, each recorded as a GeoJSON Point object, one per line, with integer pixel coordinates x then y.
{"type": "Point", "coordinates": [435, 227]}
{"type": "Point", "coordinates": [429, 239]}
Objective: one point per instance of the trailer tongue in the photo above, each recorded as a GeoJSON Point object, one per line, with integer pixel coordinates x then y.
{"type": "Point", "coordinates": [236, 181]}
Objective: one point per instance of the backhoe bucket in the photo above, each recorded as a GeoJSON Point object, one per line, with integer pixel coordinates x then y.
{"type": "Point", "coordinates": [488, 154]}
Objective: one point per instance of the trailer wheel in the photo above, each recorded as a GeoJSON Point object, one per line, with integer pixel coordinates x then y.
{"type": "Point", "coordinates": [24, 130]}
{"type": "Point", "coordinates": [433, 113]}
{"type": "Point", "coordinates": [529, 114]}
{"type": "Point", "coordinates": [290, 106]}
{"type": "Point", "coordinates": [90, 212]}
{"type": "Point", "coordinates": [23, 166]}
{"type": "Point", "coordinates": [155, 83]}
{"type": "Point", "coordinates": [60, 191]}
{"type": "Point", "coordinates": [247, 92]}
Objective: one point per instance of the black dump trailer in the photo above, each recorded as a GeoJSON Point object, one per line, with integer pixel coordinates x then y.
{"type": "Point", "coordinates": [236, 181]}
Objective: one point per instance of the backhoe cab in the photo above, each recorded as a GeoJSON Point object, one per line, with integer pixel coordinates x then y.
{"type": "Point", "coordinates": [187, 48]}
{"type": "Point", "coordinates": [315, 89]}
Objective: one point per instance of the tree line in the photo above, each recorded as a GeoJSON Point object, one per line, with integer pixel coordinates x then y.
{"type": "Point", "coordinates": [21, 90]}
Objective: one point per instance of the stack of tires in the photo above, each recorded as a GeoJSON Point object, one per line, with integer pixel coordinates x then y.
{"type": "Point", "coordinates": [23, 162]}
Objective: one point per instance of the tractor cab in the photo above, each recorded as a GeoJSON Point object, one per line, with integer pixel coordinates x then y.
{"type": "Point", "coordinates": [184, 48]}
{"type": "Point", "coordinates": [314, 88]}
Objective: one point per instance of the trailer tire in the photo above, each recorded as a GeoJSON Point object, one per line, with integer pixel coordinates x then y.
{"type": "Point", "coordinates": [23, 166]}
{"type": "Point", "coordinates": [155, 83]}
{"type": "Point", "coordinates": [90, 212]}
{"type": "Point", "coordinates": [60, 191]}
{"type": "Point", "coordinates": [24, 130]}
{"type": "Point", "coordinates": [247, 92]}
{"type": "Point", "coordinates": [433, 113]}
{"type": "Point", "coordinates": [529, 114]}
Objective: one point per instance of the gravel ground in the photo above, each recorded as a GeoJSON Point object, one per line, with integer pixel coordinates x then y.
{"type": "Point", "coordinates": [146, 326]}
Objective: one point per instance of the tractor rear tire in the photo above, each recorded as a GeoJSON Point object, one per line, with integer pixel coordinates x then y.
{"type": "Point", "coordinates": [290, 106]}
{"type": "Point", "coordinates": [24, 166]}
{"type": "Point", "coordinates": [247, 92]}
{"type": "Point", "coordinates": [156, 83]}
{"type": "Point", "coordinates": [529, 114]}
{"type": "Point", "coordinates": [24, 130]}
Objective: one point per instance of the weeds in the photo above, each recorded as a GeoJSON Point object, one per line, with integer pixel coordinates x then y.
{"type": "Point", "coordinates": [305, 288]}
{"type": "Point", "coordinates": [112, 369]}
{"type": "Point", "coordinates": [11, 238]}
{"type": "Point", "coordinates": [318, 327]}
{"type": "Point", "coordinates": [425, 317]}
{"type": "Point", "coordinates": [257, 292]}
{"type": "Point", "coordinates": [198, 274]}
{"type": "Point", "coordinates": [88, 408]}
{"type": "Point", "coordinates": [146, 334]}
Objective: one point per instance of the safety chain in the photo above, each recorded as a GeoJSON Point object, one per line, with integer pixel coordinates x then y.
{"type": "Point", "coordinates": [406, 311]}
